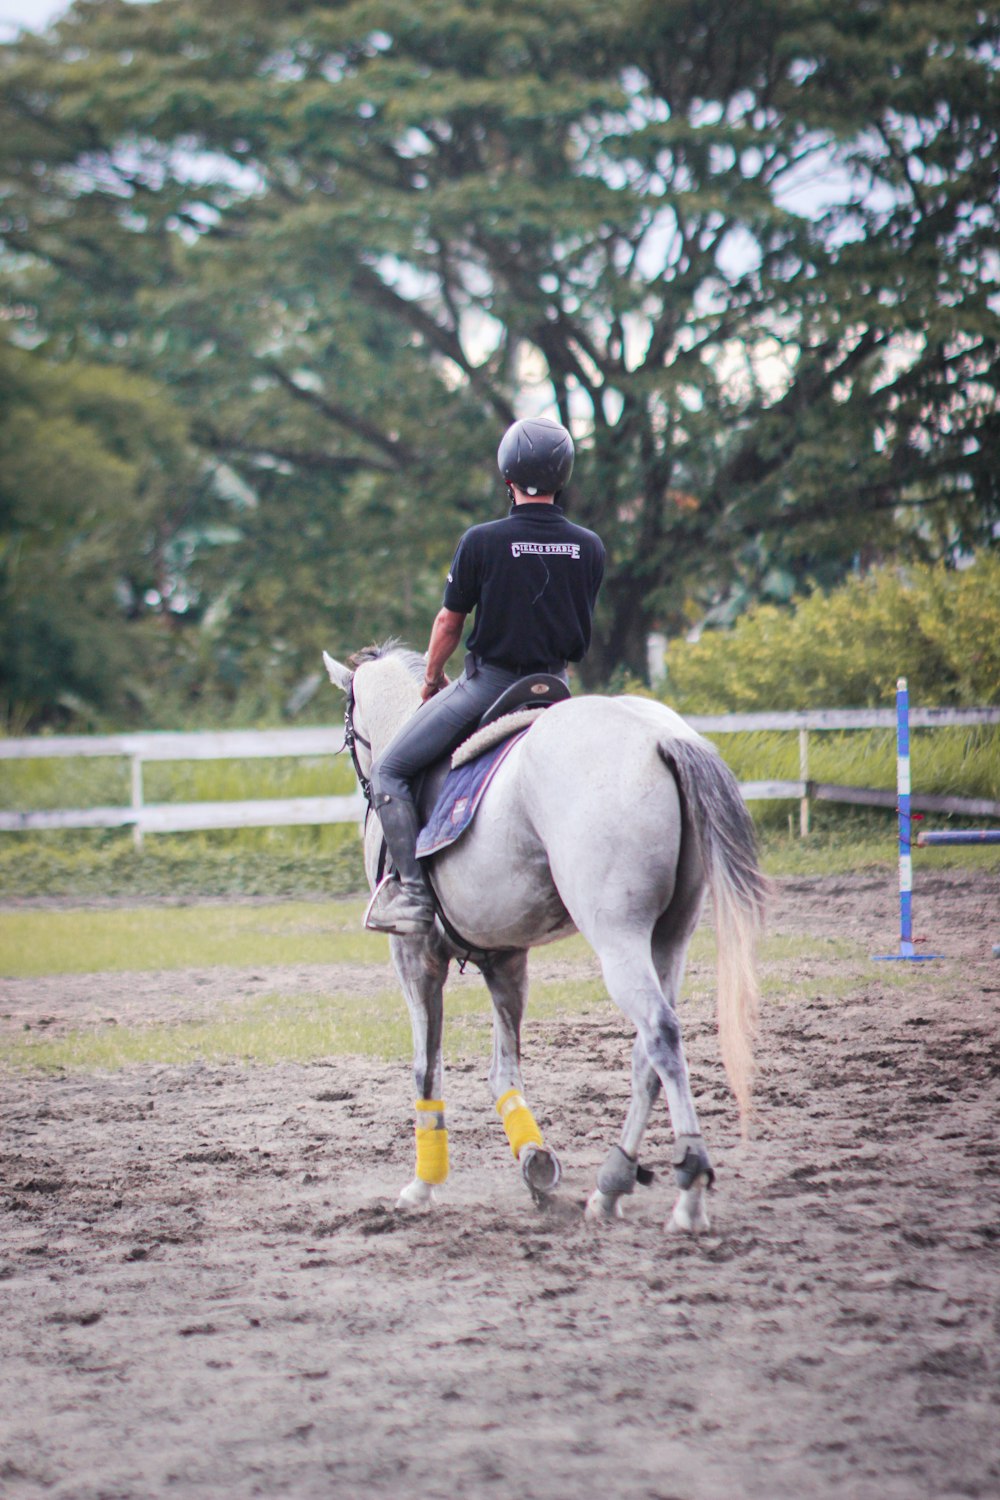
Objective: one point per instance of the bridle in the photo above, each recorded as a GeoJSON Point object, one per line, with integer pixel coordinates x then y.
{"type": "Point", "coordinates": [352, 739]}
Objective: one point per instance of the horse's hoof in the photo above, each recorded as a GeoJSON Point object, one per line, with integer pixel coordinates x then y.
{"type": "Point", "coordinates": [540, 1169]}
{"type": "Point", "coordinates": [603, 1207]}
{"type": "Point", "coordinates": [690, 1216]}
{"type": "Point", "coordinates": [417, 1195]}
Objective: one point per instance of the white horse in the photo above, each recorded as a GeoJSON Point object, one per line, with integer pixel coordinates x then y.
{"type": "Point", "coordinates": [610, 817]}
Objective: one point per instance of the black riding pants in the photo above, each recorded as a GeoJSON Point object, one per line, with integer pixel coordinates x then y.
{"type": "Point", "coordinates": [437, 727]}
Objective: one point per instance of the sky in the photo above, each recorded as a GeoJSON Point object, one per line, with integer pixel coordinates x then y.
{"type": "Point", "coordinates": [34, 15]}
{"type": "Point", "coordinates": [30, 15]}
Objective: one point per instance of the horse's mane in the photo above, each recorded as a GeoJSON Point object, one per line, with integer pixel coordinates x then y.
{"type": "Point", "coordinates": [411, 660]}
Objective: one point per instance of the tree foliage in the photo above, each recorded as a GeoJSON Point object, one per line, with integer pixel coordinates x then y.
{"type": "Point", "coordinates": [94, 479]}
{"type": "Point", "coordinates": [748, 253]}
{"type": "Point", "coordinates": [938, 627]}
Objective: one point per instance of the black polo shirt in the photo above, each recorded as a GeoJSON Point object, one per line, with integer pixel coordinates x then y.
{"type": "Point", "coordinates": [532, 579]}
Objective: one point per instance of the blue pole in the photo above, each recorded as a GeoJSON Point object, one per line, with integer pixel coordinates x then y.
{"type": "Point", "coordinates": [903, 809]}
{"type": "Point", "coordinates": [961, 836]}
{"type": "Point", "coordinates": [906, 951]}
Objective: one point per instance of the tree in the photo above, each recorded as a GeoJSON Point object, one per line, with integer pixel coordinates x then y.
{"type": "Point", "coordinates": [92, 465]}
{"type": "Point", "coordinates": [354, 240]}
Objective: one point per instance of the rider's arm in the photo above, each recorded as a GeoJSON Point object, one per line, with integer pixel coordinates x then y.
{"type": "Point", "coordinates": [446, 633]}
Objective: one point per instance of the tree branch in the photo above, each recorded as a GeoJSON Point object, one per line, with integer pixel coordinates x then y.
{"type": "Point", "coordinates": [442, 339]}
{"type": "Point", "coordinates": [304, 458]}
{"type": "Point", "coordinates": [400, 455]}
{"type": "Point", "coordinates": [748, 464]}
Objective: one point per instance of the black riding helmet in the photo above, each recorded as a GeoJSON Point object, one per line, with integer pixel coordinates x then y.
{"type": "Point", "coordinates": [536, 454]}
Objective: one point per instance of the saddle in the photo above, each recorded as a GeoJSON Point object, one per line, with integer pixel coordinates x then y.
{"type": "Point", "coordinates": [451, 789]}
{"type": "Point", "coordinates": [540, 690]}
{"type": "Point", "coordinates": [515, 709]}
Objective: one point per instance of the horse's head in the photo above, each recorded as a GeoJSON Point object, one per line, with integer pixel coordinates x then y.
{"type": "Point", "coordinates": [382, 684]}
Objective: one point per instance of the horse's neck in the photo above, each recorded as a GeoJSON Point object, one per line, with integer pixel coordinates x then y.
{"type": "Point", "coordinates": [390, 696]}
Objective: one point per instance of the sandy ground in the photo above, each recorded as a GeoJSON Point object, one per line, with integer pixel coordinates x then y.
{"type": "Point", "coordinates": [205, 1290]}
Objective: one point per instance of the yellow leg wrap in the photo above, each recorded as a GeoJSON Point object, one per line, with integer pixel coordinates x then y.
{"type": "Point", "coordinates": [432, 1155]}
{"type": "Point", "coordinates": [518, 1121]}
{"type": "Point", "coordinates": [432, 1143]}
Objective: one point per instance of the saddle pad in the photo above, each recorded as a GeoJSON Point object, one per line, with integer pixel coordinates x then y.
{"type": "Point", "coordinates": [496, 733]}
{"type": "Point", "coordinates": [460, 796]}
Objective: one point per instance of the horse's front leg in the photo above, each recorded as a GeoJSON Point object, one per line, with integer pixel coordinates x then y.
{"type": "Point", "coordinates": [507, 980]}
{"type": "Point", "coordinates": [421, 966]}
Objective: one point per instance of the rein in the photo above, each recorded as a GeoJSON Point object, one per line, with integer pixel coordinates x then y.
{"type": "Point", "coordinates": [352, 740]}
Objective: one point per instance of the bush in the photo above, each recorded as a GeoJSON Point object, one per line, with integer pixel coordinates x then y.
{"type": "Point", "coordinates": [938, 627]}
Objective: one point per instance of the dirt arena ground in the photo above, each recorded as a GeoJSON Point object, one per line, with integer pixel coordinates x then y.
{"type": "Point", "coordinates": [205, 1290]}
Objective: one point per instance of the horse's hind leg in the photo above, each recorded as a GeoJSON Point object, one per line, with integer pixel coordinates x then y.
{"type": "Point", "coordinates": [507, 979]}
{"type": "Point", "coordinates": [634, 984]}
{"type": "Point", "coordinates": [692, 1167]}
{"type": "Point", "coordinates": [620, 1172]}
{"type": "Point", "coordinates": [421, 966]}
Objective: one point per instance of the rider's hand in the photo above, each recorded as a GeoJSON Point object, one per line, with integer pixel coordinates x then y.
{"type": "Point", "coordinates": [428, 689]}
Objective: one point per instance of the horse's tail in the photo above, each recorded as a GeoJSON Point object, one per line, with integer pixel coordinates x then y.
{"type": "Point", "coordinates": [715, 809]}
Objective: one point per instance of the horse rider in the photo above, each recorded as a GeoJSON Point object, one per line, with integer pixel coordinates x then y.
{"type": "Point", "coordinates": [532, 579]}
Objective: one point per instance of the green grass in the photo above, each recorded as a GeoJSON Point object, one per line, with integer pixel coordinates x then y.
{"type": "Point", "coordinates": [326, 861]}
{"type": "Point", "coordinates": [301, 869]}
{"type": "Point", "coordinates": [296, 1027]}
{"type": "Point", "coordinates": [35, 941]}
{"type": "Point", "coordinates": [100, 782]}
{"type": "Point", "coordinates": [291, 1028]}
{"type": "Point", "coordinates": [82, 941]}
{"type": "Point", "coordinates": [276, 862]}
{"type": "Point", "coordinates": [277, 1027]}
{"type": "Point", "coordinates": [963, 762]}
{"type": "Point", "coordinates": [293, 863]}
{"type": "Point", "coordinates": [864, 839]}
{"type": "Point", "coordinates": [305, 861]}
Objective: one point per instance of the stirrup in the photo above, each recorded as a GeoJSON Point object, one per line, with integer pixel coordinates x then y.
{"type": "Point", "coordinates": [392, 909]}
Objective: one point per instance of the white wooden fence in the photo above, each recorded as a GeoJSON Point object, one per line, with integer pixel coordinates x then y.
{"type": "Point", "coordinates": [183, 817]}
{"type": "Point", "coordinates": [248, 744]}
{"type": "Point", "coordinates": [804, 789]}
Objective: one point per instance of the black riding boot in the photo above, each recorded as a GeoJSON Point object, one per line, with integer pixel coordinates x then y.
{"type": "Point", "coordinates": [403, 905]}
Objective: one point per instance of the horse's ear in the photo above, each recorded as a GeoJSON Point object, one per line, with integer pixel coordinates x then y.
{"type": "Point", "coordinates": [338, 674]}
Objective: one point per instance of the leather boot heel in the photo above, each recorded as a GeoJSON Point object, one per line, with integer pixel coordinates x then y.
{"type": "Point", "coordinates": [396, 909]}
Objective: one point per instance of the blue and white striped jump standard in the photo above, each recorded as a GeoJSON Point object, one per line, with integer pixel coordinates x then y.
{"type": "Point", "coordinates": [906, 950]}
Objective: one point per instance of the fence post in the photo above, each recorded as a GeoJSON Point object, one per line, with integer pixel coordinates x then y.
{"type": "Point", "coordinates": [804, 776]}
{"type": "Point", "coordinates": [137, 800]}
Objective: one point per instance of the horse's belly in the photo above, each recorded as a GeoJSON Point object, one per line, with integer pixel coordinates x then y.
{"type": "Point", "coordinates": [496, 886]}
